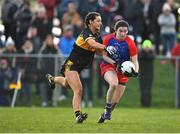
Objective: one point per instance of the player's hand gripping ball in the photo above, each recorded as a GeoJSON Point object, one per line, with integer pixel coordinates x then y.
{"type": "Point", "coordinates": [128, 69]}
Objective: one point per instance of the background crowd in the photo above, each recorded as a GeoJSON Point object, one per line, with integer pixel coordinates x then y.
{"type": "Point", "coordinates": [46, 27]}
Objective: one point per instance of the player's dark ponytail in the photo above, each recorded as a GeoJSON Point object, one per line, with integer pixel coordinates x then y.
{"type": "Point", "coordinates": [90, 16]}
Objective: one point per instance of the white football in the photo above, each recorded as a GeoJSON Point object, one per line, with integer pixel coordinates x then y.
{"type": "Point", "coordinates": [127, 66]}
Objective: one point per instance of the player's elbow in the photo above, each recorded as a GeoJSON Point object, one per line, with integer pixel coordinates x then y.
{"type": "Point", "coordinates": [93, 44]}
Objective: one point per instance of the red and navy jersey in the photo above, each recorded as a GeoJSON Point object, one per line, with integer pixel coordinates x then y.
{"type": "Point", "coordinates": [125, 48]}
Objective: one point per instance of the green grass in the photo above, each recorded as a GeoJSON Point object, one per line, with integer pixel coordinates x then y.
{"type": "Point", "coordinates": [34, 120]}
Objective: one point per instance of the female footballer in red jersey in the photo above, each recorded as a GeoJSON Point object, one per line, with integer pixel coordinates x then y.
{"type": "Point", "coordinates": [125, 50]}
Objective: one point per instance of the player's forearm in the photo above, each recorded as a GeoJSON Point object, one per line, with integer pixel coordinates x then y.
{"type": "Point", "coordinates": [136, 63]}
{"type": "Point", "coordinates": [97, 45]}
{"type": "Point", "coordinates": [92, 43]}
{"type": "Point", "coordinates": [136, 66]}
{"type": "Point", "coordinates": [108, 59]}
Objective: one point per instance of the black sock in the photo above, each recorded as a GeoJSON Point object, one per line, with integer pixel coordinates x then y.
{"type": "Point", "coordinates": [77, 113]}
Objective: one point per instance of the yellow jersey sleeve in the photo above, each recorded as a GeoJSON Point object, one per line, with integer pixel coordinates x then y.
{"type": "Point", "coordinates": [81, 41]}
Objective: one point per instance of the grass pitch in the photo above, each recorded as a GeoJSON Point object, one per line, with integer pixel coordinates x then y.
{"type": "Point", "coordinates": [61, 120]}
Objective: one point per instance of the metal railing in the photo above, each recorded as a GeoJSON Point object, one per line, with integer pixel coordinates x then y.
{"type": "Point", "coordinates": [177, 77]}
{"type": "Point", "coordinates": [58, 56]}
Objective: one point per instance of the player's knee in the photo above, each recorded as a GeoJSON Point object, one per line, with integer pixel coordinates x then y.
{"type": "Point", "coordinates": [65, 84]}
{"type": "Point", "coordinates": [113, 85]}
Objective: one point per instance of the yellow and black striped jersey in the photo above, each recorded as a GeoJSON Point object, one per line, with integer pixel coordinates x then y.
{"type": "Point", "coordinates": [82, 54]}
{"type": "Point", "coordinates": [81, 49]}
{"type": "Point", "coordinates": [84, 36]}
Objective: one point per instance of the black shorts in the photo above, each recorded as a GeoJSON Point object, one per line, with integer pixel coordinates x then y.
{"type": "Point", "coordinates": [78, 60]}
{"type": "Point", "coordinates": [70, 65]}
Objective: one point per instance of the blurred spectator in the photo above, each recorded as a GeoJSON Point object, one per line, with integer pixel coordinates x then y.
{"type": "Point", "coordinates": [62, 7]}
{"type": "Point", "coordinates": [72, 17]}
{"type": "Point", "coordinates": [5, 17]}
{"type": "Point", "coordinates": [86, 6]}
{"type": "Point", "coordinates": [6, 77]}
{"type": "Point", "coordinates": [26, 65]}
{"type": "Point", "coordinates": [67, 40]}
{"type": "Point", "coordinates": [48, 48]}
{"type": "Point", "coordinates": [176, 52]}
{"type": "Point", "coordinates": [10, 48]}
{"type": "Point", "coordinates": [115, 19]}
{"type": "Point", "coordinates": [34, 38]}
{"type": "Point", "coordinates": [146, 72]}
{"type": "Point", "coordinates": [167, 23]}
{"type": "Point", "coordinates": [141, 19]}
{"type": "Point", "coordinates": [23, 17]}
{"type": "Point", "coordinates": [129, 12]}
{"type": "Point", "coordinates": [156, 5]}
{"type": "Point", "coordinates": [49, 6]}
{"type": "Point", "coordinates": [108, 10]}
{"type": "Point", "coordinates": [37, 43]}
{"type": "Point", "coordinates": [147, 31]}
{"type": "Point", "coordinates": [9, 9]}
{"type": "Point", "coordinates": [137, 18]}
{"type": "Point", "coordinates": [121, 7]}
{"type": "Point", "coordinates": [174, 7]}
{"type": "Point", "coordinates": [1, 46]}
{"type": "Point", "coordinates": [41, 23]}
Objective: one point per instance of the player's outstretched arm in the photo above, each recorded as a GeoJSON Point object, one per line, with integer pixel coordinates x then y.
{"type": "Point", "coordinates": [92, 43]}
{"type": "Point", "coordinates": [134, 59]}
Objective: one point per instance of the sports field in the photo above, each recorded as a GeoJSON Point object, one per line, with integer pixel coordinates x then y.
{"type": "Point", "coordinates": [60, 120]}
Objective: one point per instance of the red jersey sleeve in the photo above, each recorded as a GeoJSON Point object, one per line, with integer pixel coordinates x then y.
{"type": "Point", "coordinates": [132, 46]}
{"type": "Point", "coordinates": [106, 39]}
